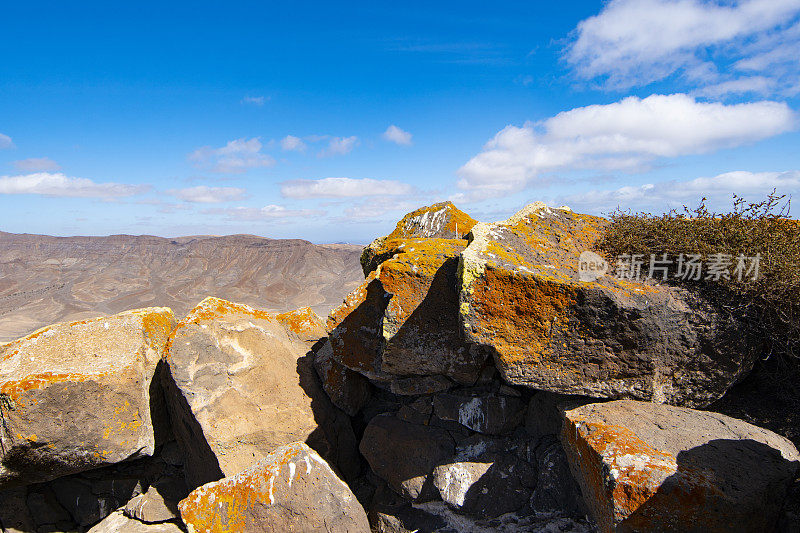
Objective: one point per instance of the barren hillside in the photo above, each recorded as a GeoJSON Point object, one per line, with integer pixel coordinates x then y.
{"type": "Point", "coordinates": [47, 279]}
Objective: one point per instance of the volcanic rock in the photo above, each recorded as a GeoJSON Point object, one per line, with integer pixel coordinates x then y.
{"type": "Point", "coordinates": [440, 221]}
{"type": "Point", "coordinates": [403, 320]}
{"type": "Point", "coordinates": [522, 297]}
{"type": "Point", "coordinates": [403, 453]}
{"type": "Point", "coordinates": [650, 467]}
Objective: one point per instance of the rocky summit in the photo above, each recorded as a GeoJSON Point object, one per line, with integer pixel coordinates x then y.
{"type": "Point", "coordinates": [474, 382]}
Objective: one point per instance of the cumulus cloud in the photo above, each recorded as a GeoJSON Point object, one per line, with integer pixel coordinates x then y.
{"type": "Point", "coordinates": [718, 190]}
{"type": "Point", "coordinates": [343, 188]}
{"type": "Point", "coordinates": [208, 195]}
{"type": "Point", "coordinates": [625, 135]}
{"type": "Point", "coordinates": [268, 212]}
{"type": "Point", "coordinates": [397, 136]}
{"type": "Point", "coordinates": [254, 100]}
{"type": "Point", "coordinates": [5, 142]}
{"type": "Point", "coordinates": [59, 185]}
{"type": "Point", "coordinates": [290, 143]}
{"type": "Point", "coordinates": [635, 42]}
{"type": "Point", "coordinates": [236, 157]}
{"type": "Point", "coordinates": [340, 146]}
{"type": "Point", "coordinates": [36, 164]}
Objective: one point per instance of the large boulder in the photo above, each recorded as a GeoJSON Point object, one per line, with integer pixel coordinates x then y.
{"type": "Point", "coordinates": [404, 454]}
{"type": "Point", "coordinates": [650, 467]}
{"type": "Point", "coordinates": [80, 395]}
{"type": "Point", "coordinates": [521, 296]}
{"type": "Point", "coordinates": [290, 489]}
{"type": "Point", "coordinates": [403, 320]}
{"type": "Point", "coordinates": [240, 385]}
{"type": "Point", "coordinates": [440, 221]}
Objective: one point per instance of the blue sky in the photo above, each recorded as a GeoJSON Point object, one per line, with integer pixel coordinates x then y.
{"type": "Point", "coordinates": [328, 121]}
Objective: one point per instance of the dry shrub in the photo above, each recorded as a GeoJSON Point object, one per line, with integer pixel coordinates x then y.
{"type": "Point", "coordinates": [769, 305]}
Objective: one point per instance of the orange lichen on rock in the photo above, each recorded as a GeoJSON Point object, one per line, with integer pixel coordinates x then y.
{"type": "Point", "coordinates": [221, 507]}
{"type": "Point", "coordinates": [303, 322]}
{"type": "Point", "coordinates": [15, 389]}
{"type": "Point", "coordinates": [438, 221]}
{"type": "Point", "coordinates": [291, 489]}
{"type": "Point", "coordinates": [519, 312]}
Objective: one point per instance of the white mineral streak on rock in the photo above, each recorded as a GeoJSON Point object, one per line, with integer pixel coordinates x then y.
{"type": "Point", "coordinates": [471, 415]}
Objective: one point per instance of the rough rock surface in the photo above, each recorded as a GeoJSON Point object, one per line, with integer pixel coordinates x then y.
{"type": "Point", "coordinates": [290, 489]}
{"type": "Point", "coordinates": [403, 453]}
{"type": "Point", "coordinates": [649, 467]}
{"type": "Point", "coordinates": [403, 320]}
{"type": "Point", "coordinates": [240, 385]}
{"type": "Point", "coordinates": [521, 296]}
{"type": "Point", "coordinates": [159, 503]}
{"type": "Point", "coordinates": [441, 221]}
{"type": "Point", "coordinates": [77, 395]}
{"type": "Point", "coordinates": [347, 389]}
{"type": "Point", "coordinates": [492, 414]}
{"type": "Point", "coordinates": [484, 478]}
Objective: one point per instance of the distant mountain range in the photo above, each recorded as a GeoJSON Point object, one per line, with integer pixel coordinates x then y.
{"type": "Point", "coordinates": [46, 279]}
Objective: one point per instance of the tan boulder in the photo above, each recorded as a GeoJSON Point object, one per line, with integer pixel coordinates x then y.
{"type": "Point", "coordinates": [79, 395]}
{"type": "Point", "coordinates": [240, 384]}
{"type": "Point", "coordinates": [522, 297]}
{"type": "Point", "coordinates": [656, 468]}
{"type": "Point", "coordinates": [290, 490]}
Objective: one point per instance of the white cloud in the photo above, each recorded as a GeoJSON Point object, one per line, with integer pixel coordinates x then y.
{"type": "Point", "coordinates": [625, 135]}
{"type": "Point", "coordinates": [36, 164]}
{"type": "Point", "coordinates": [343, 188]}
{"type": "Point", "coordinates": [340, 146]}
{"type": "Point", "coordinates": [234, 158]}
{"type": "Point", "coordinates": [5, 142]}
{"type": "Point", "coordinates": [292, 143]}
{"type": "Point", "coordinates": [397, 136]}
{"type": "Point", "coordinates": [254, 100]}
{"type": "Point", "coordinates": [48, 184]}
{"type": "Point", "coordinates": [208, 195]}
{"type": "Point", "coordinates": [635, 42]}
{"type": "Point", "coordinates": [718, 190]}
{"type": "Point", "coordinates": [268, 212]}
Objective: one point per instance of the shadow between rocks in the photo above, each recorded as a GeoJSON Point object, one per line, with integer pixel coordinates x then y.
{"type": "Point", "coordinates": [202, 465]}
{"type": "Point", "coordinates": [723, 485]}
{"type": "Point", "coordinates": [333, 438]}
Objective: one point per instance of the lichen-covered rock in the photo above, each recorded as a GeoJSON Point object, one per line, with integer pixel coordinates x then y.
{"type": "Point", "coordinates": [290, 490]}
{"type": "Point", "coordinates": [78, 395]}
{"type": "Point", "coordinates": [240, 385]}
{"type": "Point", "coordinates": [521, 296]}
{"type": "Point", "coordinates": [439, 221]}
{"type": "Point", "coordinates": [403, 321]}
{"type": "Point", "coordinates": [403, 453]}
{"type": "Point", "coordinates": [347, 389]}
{"type": "Point", "coordinates": [649, 467]}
